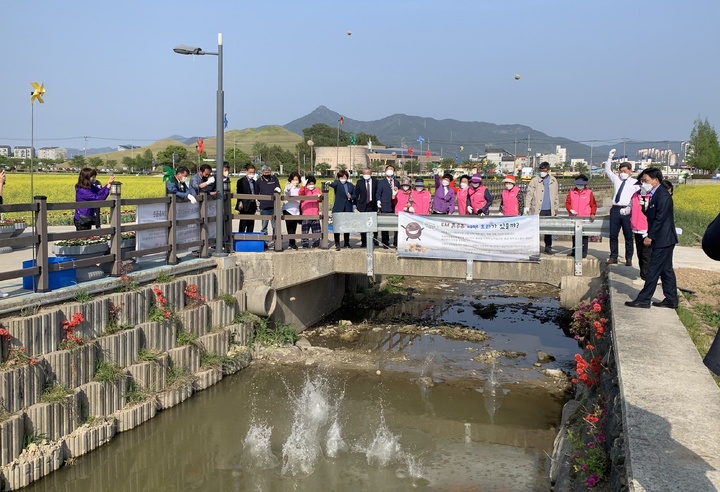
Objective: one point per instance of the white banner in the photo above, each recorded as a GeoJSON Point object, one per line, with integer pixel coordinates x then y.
{"type": "Point", "coordinates": [469, 237]}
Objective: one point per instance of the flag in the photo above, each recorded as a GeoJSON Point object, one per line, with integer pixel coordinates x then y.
{"type": "Point", "coordinates": [225, 122]}
{"type": "Point", "coordinates": [200, 146]}
{"type": "Point", "coordinates": [457, 159]}
{"type": "Point", "coordinates": [410, 151]}
{"type": "Point", "coordinates": [462, 148]}
{"type": "Point", "coordinates": [427, 153]}
{"type": "Point", "coordinates": [420, 140]}
{"type": "Point", "coordinates": [342, 120]}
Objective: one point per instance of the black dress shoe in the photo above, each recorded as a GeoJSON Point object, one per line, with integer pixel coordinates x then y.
{"type": "Point", "coordinates": [628, 262]}
{"type": "Point", "coordinates": [611, 261]}
{"type": "Point", "coordinates": [337, 248]}
{"type": "Point", "coordinates": [548, 250]}
{"type": "Point", "coordinates": [664, 303]}
{"type": "Point", "coordinates": [635, 304]}
{"type": "Point", "coordinates": [348, 246]}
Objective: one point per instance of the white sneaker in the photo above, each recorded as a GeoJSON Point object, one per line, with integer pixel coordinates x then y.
{"type": "Point", "coordinates": [638, 281]}
{"type": "Point", "coordinates": [3, 294]}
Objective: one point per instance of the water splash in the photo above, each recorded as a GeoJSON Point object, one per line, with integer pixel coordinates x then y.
{"type": "Point", "coordinates": [256, 447]}
{"type": "Point", "coordinates": [334, 443]}
{"type": "Point", "coordinates": [413, 468]}
{"type": "Point", "coordinates": [385, 446]}
{"type": "Point", "coordinates": [493, 394]}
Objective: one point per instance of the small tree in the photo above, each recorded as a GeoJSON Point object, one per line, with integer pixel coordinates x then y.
{"type": "Point", "coordinates": [703, 151]}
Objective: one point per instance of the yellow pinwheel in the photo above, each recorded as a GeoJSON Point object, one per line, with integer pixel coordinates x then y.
{"type": "Point", "coordinates": [38, 91]}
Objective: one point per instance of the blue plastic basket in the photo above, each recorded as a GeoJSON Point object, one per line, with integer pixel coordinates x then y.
{"type": "Point", "coordinates": [56, 280]}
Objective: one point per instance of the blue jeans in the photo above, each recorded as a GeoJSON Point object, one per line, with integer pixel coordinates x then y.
{"type": "Point", "coordinates": [266, 211]}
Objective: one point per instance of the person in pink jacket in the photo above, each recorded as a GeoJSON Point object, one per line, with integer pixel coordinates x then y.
{"type": "Point", "coordinates": [420, 198]}
{"type": "Point", "coordinates": [639, 225]}
{"type": "Point", "coordinates": [462, 194]}
{"type": "Point", "coordinates": [512, 200]}
{"type": "Point", "coordinates": [580, 202]}
{"type": "Point", "coordinates": [310, 207]}
{"type": "Point", "coordinates": [404, 202]}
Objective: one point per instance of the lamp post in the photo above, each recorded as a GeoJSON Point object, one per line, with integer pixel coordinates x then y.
{"type": "Point", "coordinates": [220, 129]}
{"type": "Point", "coordinates": [312, 163]}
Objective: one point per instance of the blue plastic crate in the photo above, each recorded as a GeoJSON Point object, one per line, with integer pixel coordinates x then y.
{"type": "Point", "coordinates": [249, 245]}
{"type": "Point", "coordinates": [56, 280]}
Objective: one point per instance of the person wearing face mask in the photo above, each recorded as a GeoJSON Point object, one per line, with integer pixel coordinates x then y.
{"type": "Point", "coordinates": [420, 198]}
{"type": "Point", "coordinates": [344, 190]}
{"type": "Point", "coordinates": [177, 185]}
{"type": "Point", "coordinates": [365, 198]}
{"type": "Point", "coordinates": [386, 195]}
{"type": "Point", "coordinates": [623, 190]}
{"type": "Point", "coordinates": [443, 201]}
{"type": "Point", "coordinates": [292, 207]}
{"type": "Point", "coordinates": [542, 198]}
{"type": "Point", "coordinates": [202, 181]}
{"type": "Point", "coordinates": [639, 225]}
{"type": "Point", "coordinates": [267, 184]}
{"type": "Point", "coordinates": [403, 200]}
{"type": "Point", "coordinates": [310, 207]}
{"type": "Point", "coordinates": [580, 202]}
{"type": "Point", "coordinates": [479, 198]}
{"type": "Point", "coordinates": [512, 200]}
{"type": "Point", "coordinates": [662, 238]}
{"type": "Point", "coordinates": [461, 194]}
{"type": "Point", "coordinates": [247, 186]}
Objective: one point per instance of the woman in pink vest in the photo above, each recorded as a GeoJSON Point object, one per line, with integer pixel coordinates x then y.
{"type": "Point", "coordinates": [404, 202]}
{"type": "Point", "coordinates": [461, 194]}
{"type": "Point", "coordinates": [420, 198]}
{"type": "Point", "coordinates": [580, 202]}
{"type": "Point", "coordinates": [512, 200]}
{"type": "Point", "coordinates": [479, 198]}
{"type": "Point", "coordinates": [310, 207]}
{"type": "Point", "coordinates": [639, 224]}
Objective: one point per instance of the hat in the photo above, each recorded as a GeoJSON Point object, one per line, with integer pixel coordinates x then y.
{"type": "Point", "coordinates": [405, 181]}
{"type": "Point", "coordinates": [476, 178]}
{"type": "Point", "coordinates": [509, 179]}
{"type": "Point", "coordinates": [419, 182]}
{"type": "Point", "coordinates": [311, 179]}
{"type": "Point", "coordinates": [581, 181]}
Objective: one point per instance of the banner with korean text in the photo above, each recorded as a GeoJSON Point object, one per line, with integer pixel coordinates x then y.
{"type": "Point", "coordinates": [469, 237]}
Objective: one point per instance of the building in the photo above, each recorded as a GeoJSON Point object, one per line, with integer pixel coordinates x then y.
{"type": "Point", "coordinates": [23, 152]}
{"type": "Point", "coordinates": [55, 153]}
{"type": "Point", "coordinates": [5, 150]}
{"type": "Point", "coordinates": [554, 159]}
{"type": "Point", "coordinates": [127, 147]}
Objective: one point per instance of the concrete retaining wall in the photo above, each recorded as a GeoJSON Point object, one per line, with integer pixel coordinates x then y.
{"type": "Point", "coordinates": [120, 349]}
{"type": "Point", "coordinates": [21, 387]}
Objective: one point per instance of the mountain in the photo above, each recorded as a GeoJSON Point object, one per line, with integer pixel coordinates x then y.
{"type": "Point", "coordinates": [445, 136]}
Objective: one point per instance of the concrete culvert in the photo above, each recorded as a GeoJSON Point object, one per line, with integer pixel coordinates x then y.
{"type": "Point", "coordinates": [261, 299]}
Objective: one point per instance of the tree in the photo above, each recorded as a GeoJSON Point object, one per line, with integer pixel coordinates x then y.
{"type": "Point", "coordinates": [166, 155]}
{"type": "Point", "coordinates": [78, 161]}
{"type": "Point", "coordinates": [94, 162]}
{"type": "Point", "coordinates": [703, 150]}
{"type": "Point", "coordinates": [237, 158]}
{"type": "Point", "coordinates": [322, 168]}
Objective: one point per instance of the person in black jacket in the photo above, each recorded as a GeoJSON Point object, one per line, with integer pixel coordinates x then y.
{"type": "Point", "coordinates": [344, 190]}
{"type": "Point", "coordinates": [711, 247]}
{"type": "Point", "coordinates": [662, 237]}
{"type": "Point", "coordinates": [268, 184]}
{"type": "Point", "coordinates": [365, 193]}
{"type": "Point", "coordinates": [247, 186]}
{"type": "Point", "coordinates": [387, 189]}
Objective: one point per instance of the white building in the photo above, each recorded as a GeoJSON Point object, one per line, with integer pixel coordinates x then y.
{"type": "Point", "coordinates": [5, 150]}
{"type": "Point", "coordinates": [23, 152]}
{"type": "Point", "coordinates": [556, 158]}
{"type": "Point", "coordinates": [52, 153]}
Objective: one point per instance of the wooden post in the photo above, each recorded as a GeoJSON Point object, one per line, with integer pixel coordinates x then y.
{"type": "Point", "coordinates": [172, 231]}
{"type": "Point", "coordinates": [41, 245]}
{"type": "Point", "coordinates": [277, 215]}
{"type": "Point", "coordinates": [204, 201]}
{"type": "Point", "coordinates": [325, 222]}
{"type": "Point", "coordinates": [116, 223]}
{"type": "Point", "coordinates": [227, 216]}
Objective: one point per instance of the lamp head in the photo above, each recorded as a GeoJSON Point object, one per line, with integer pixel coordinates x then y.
{"type": "Point", "coordinates": [184, 49]}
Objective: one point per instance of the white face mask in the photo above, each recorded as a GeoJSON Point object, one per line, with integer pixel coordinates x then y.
{"type": "Point", "coordinates": [311, 187]}
{"type": "Point", "coordinates": [509, 186]}
{"type": "Point", "coordinates": [445, 182]}
{"type": "Point", "coordinates": [580, 187]}
{"type": "Point", "coordinates": [543, 174]}
{"type": "Point", "coordinates": [419, 188]}
{"type": "Point", "coordinates": [343, 181]}
{"type": "Point", "coordinates": [226, 173]}
{"type": "Point", "coordinates": [295, 182]}
{"type": "Point", "coordinates": [366, 176]}
{"type": "Point", "coordinates": [389, 172]}
{"type": "Point", "coordinates": [624, 176]}
{"type": "Point", "coordinates": [647, 187]}
{"type": "Point", "coordinates": [405, 187]}
{"type": "Point", "coordinates": [463, 186]}
{"type": "Point", "coordinates": [475, 185]}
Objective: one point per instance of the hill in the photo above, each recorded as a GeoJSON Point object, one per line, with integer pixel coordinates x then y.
{"type": "Point", "coordinates": [446, 136]}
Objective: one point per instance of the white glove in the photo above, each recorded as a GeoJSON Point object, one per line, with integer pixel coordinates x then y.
{"type": "Point", "coordinates": [379, 204]}
{"type": "Point", "coordinates": [210, 180]}
{"type": "Point", "coordinates": [469, 209]}
{"type": "Point", "coordinates": [303, 180]}
{"type": "Point", "coordinates": [526, 211]}
{"type": "Point", "coordinates": [626, 210]}
{"type": "Point", "coordinates": [355, 209]}
{"type": "Point", "coordinates": [411, 210]}
{"type": "Point", "coordinates": [573, 212]}
{"type": "Point", "coordinates": [277, 190]}
{"type": "Point", "coordinates": [611, 154]}
{"type": "Point", "coordinates": [255, 177]}
{"type": "Point", "coordinates": [192, 199]}
{"type": "Point", "coordinates": [482, 214]}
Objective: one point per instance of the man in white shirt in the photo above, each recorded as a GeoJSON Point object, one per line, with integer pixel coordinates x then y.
{"type": "Point", "coordinates": [623, 189]}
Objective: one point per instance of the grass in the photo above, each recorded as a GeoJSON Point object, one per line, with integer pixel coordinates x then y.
{"type": "Point", "coordinates": [148, 355]}
{"type": "Point", "coordinates": [211, 360]}
{"type": "Point", "coordinates": [228, 299]}
{"type": "Point", "coordinates": [246, 317]}
{"type": "Point", "coordinates": [277, 336]}
{"type": "Point", "coordinates": [36, 439]}
{"type": "Point", "coordinates": [393, 285]}
{"type": "Point", "coordinates": [135, 394]}
{"type": "Point", "coordinates": [55, 393]}
{"type": "Point", "coordinates": [695, 207]}
{"type": "Point", "coordinates": [106, 372]}
{"type": "Point", "coordinates": [709, 315]}
{"type": "Point", "coordinates": [695, 329]}
{"type": "Point", "coordinates": [164, 278]}
{"type": "Point", "coordinates": [82, 296]}
{"type": "Point", "coordinates": [177, 376]}
{"type": "Point", "coordinates": [184, 338]}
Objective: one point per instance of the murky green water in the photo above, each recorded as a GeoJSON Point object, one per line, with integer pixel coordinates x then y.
{"type": "Point", "coordinates": [477, 427]}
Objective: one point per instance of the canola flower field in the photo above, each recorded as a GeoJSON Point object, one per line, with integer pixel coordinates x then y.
{"type": "Point", "coordinates": [695, 207]}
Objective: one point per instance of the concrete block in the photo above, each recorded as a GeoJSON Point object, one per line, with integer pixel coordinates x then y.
{"type": "Point", "coordinates": [187, 357]}
{"type": "Point", "coordinates": [229, 280]}
{"type": "Point", "coordinates": [130, 418]}
{"type": "Point", "coordinates": [241, 356]}
{"type": "Point", "coordinates": [157, 336]}
{"type": "Point", "coordinates": [205, 379]}
{"type": "Point", "coordinates": [171, 397]}
{"type": "Point", "coordinates": [240, 333]}
{"type": "Point", "coordinates": [134, 305]}
{"type": "Point", "coordinates": [34, 463]}
{"type": "Point", "coordinates": [575, 289]}
{"type": "Point", "coordinates": [95, 312]}
{"type": "Point", "coordinates": [194, 320]}
{"type": "Point", "coordinates": [88, 437]}
{"type": "Point", "coordinates": [121, 349]}
{"type": "Point", "coordinates": [221, 314]}
{"type": "Point", "coordinates": [206, 284]}
{"type": "Point", "coordinates": [52, 420]}
{"type": "Point", "coordinates": [241, 298]}
{"type": "Point", "coordinates": [217, 343]}
{"type": "Point", "coordinates": [21, 387]}
{"type": "Point", "coordinates": [173, 291]}
{"type": "Point", "coordinates": [98, 399]}
{"type": "Point", "coordinates": [39, 334]}
{"type": "Point", "coordinates": [71, 368]}
{"type": "Point", "coordinates": [12, 433]}
{"type": "Point", "coordinates": [149, 376]}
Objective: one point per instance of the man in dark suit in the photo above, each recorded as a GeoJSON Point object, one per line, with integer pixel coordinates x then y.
{"type": "Point", "coordinates": [247, 186]}
{"type": "Point", "coordinates": [661, 236]}
{"type": "Point", "coordinates": [365, 193]}
{"type": "Point", "coordinates": [386, 191]}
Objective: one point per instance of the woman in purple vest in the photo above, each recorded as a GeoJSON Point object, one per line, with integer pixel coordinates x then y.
{"type": "Point", "coordinates": [86, 191]}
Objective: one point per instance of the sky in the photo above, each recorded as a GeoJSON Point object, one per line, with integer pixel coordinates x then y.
{"type": "Point", "coordinates": [594, 72]}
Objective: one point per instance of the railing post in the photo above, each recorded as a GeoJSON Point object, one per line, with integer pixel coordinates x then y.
{"type": "Point", "coordinates": [116, 223]}
{"type": "Point", "coordinates": [41, 245]}
{"type": "Point", "coordinates": [325, 221]}
{"type": "Point", "coordinates": [277, 215]}
{"type": "Point", "coordinates": [204, 201]}
{"type": "Point", "coordinates": [172, 231]}
{"type": "Point", "coordinates": [578, 242]}
{"type": "Point", "coordinates": [227, 216]}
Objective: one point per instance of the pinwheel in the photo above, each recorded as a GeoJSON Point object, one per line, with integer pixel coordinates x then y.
{"type": "Point", "coordinates": [37, 93]}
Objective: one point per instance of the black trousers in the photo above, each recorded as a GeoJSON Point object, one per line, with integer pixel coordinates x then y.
{"type": "Point", "coordinates": [247, 225]}
{"type": "Point", "coordinates": [363, 238]}
{"type": "Point", "coordinates": [547, 237]}
{"type": "Point", "coordinates": [618, 222]}
{"type": "Point", "coordinates": [643, 254]}
{"type": "Point", "coordinates": [346, 239]}
{"type": "Point", "coordinates": [661, 266]}
{"type": "Point", "coordinates": [385, 238]}
{"type": "Point", "coordinates": [291, 226]}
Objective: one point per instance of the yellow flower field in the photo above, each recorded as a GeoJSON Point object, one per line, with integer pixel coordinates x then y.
{"type": "Point", "coordinates": [695, 207]}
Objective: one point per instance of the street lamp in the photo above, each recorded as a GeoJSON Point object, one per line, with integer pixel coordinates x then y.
{"type": "Point", "coordinates": [192, 50]}
{"type": "Point", "coordinates": [312, 164]}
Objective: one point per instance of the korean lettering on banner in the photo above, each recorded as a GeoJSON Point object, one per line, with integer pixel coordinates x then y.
{"type": "Point", "coordinates": [468, 237]}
